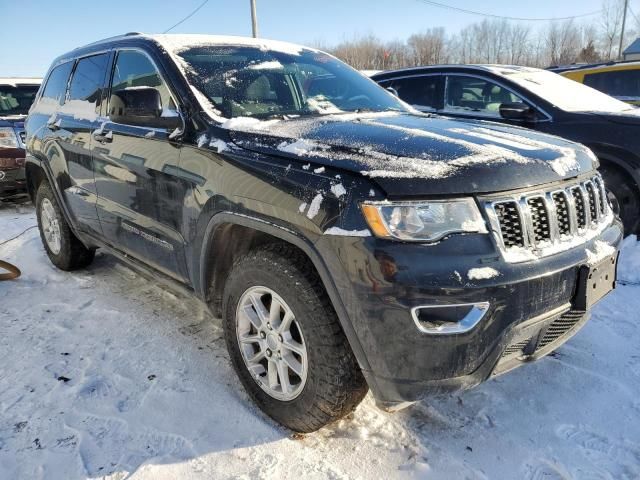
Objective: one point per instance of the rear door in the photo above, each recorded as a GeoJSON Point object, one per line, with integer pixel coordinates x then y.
{"type": "Point", "coordinates": [140, 194]}
{"type": "Point", "coordinates": [70, 111]}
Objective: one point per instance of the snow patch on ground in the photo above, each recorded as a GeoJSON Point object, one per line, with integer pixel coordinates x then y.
{"type": "Point", "coordinates": [151, 394]}
{"type": "Point", "coordinates": [629, 261]}
{"type": "Point", "coordinates": [482, 273]}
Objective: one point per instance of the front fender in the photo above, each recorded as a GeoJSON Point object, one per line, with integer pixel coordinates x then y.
{"type": "Point", "coordinates": [306, 246]}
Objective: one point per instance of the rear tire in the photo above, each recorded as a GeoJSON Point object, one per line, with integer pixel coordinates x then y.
{"type": "Point", "coordinates": [624, 197]}
{"type": "Point", "coordinates": [330, 384]}
{"type": "Point", "coordinates": [63, 248]}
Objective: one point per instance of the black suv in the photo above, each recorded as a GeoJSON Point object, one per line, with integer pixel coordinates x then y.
{"type": "Point", "coordinates": [540, 100]}
{"type": "Point", "coordinates": [16, 96]}
{"type": "Point", "coordinates": [348, 242]}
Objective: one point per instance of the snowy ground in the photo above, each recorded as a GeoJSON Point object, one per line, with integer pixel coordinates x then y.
{"type": "Point", "coordinates": [105, 374]}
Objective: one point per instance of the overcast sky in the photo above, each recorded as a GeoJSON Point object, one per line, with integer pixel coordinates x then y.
{"type": "Point", "coordinates": [34, 32]}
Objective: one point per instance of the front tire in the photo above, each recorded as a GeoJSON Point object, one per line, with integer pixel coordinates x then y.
{"type": "Point", "coordinates": [63, 248]}
{"type": "Point", "coordinates": [624, 198]}
{"type": "Point", "coordinates": [285, 341]}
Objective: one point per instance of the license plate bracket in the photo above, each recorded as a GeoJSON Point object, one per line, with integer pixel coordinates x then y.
{"type": "Point", "coordinates": [595, 281]}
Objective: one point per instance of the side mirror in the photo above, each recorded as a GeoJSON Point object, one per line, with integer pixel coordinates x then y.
{"type": "Point", "coordinates": [517, 111]}
{"type": "Point", "coordinates": [392, 90]}
{"type": "Point", "coordinates": [141, 107]}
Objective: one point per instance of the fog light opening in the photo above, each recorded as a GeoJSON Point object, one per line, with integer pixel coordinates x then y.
{"type": "Point", "coordinates": [449, 319]}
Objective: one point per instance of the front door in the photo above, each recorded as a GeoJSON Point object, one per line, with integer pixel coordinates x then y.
{"type": "Point", "coordinates": [475, 97]}
{"type": "Point", "coordinates": [140, 197]}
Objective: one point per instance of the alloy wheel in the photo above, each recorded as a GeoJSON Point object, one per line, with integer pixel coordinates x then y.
{"type": "Point", "coordinates": [50, 226]}
{"type": "Point", "coordinates": [271, 343]}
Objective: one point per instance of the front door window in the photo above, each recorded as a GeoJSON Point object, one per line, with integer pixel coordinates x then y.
{"type": "Point", "coordinates": [476, 96]}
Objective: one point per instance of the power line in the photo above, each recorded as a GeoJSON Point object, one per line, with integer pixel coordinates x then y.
{"type": "Point", "coordinates": [504, 17]}
{"type": "Point", "coordinates": [187, 17]}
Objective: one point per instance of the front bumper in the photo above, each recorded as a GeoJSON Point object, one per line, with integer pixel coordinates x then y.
{"type": "Point", "coordinates": [532, 309]}
{"type": "Point", "coordinates": [13, 182]}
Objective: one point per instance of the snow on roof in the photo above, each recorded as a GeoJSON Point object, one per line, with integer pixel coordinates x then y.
{"type": "Point", "coordinates": [176, 43]}
{"type": "Point", "coordinates": [13, 81]}
{"type": "Point", "coordinates": [633, 48]}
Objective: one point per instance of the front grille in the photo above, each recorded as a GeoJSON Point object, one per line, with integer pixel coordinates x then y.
{"type": "Point", "coordinates": [515, 347]}
{"type": "Point", "coordinates": [545, 222]}
{"type": "Point", "coordinates": [559, 327]}
{"type": "Point", "coordinates": [554, 331]}
{"type": "Point", "coordinates": [562, 212]}
{"type": "Point", "coordinates": [511, 224]}
{"type": "Point", "coordinates": [581, 210]}
{"type": "Point", "coordinates": [602, 194]}
{"type": "Point", "coordinates": [593, 203]}
{"type": "Point", "coordinates": [539, 219]}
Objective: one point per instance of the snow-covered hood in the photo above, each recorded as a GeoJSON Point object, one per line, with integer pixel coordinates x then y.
{"type": "Point", "coordinates": [415, 155]}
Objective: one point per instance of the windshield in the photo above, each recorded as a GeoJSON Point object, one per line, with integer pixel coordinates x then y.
{"type": "Point", "coordinates": [251, 82]}
{"type": "Point", "coordinates": [16, 99]}
{"type": "Point", "coordinates": [566, 94]}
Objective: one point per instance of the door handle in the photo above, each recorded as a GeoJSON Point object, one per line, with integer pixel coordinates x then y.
{"type": "Point", "coordinates": [104, 137]}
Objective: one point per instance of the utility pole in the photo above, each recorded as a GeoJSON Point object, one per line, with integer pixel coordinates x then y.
{"type": "Point", "coordinates": [624, 23]}
{"type": "Point", "coordinates": [254, 19]}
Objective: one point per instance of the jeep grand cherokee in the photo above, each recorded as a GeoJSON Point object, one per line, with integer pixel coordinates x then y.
{"type": "Point", "coordinates": [347, 241]}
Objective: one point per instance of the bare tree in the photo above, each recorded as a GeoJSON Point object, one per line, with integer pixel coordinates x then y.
{"type": "Point", "coordinates": [611, 23]}
{"type": "Point", "coordinates": [492, 41]}
{"type": "Point", "coordinates": [562, 42]}
{"type": "Point", "coordinates": [427, 48]}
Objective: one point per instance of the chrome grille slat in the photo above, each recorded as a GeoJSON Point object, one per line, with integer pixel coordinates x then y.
{"type": "Point", "coordinates": [580, 206]}
{"type": "Point", "coordinates": [539, 221]}
{"type": "Point", "coordinates": [562, 212]}
{"type": "Point", "coordinates": [539, 215]}
{"type": "Point", "coordinates": [594, 212]}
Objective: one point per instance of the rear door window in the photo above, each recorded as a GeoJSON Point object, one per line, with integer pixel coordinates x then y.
{"type": "Point", "coordinates": [476, 95]}
{"type": "Point", "coordinates": [86, 88]}
{"type": "Point", "coordinates": [56, 86]}
{"type": "Point", "coordinates": [419, 92]}
{"type": "Point", "coordinates": [134, 69]}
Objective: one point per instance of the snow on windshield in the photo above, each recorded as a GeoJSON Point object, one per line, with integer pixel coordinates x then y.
{"type": "Point", "coordinates": [566, 94]}
{"type": "Point", "coordinates": [239, 77]}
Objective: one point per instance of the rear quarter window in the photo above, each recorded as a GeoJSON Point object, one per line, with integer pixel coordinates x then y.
{"type": "Point", "coordinates": [56, 86]}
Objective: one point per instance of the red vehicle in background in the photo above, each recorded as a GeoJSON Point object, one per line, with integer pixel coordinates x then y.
{"type": "Point", "coordinates": [16, 97]}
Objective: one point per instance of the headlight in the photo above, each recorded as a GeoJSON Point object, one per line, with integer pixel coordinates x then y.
{"type": "Point", "coordinates": [423, 221]}
{"type": "Point", "coordinates": [8, 138]}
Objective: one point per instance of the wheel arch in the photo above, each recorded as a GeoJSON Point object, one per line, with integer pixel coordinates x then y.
{"type": "Point", "coordinates": [245, 232]}
{"type": "Point", "coordinates": [614, 157]}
